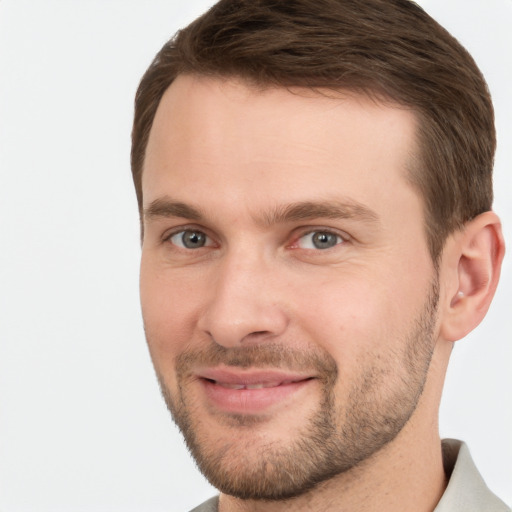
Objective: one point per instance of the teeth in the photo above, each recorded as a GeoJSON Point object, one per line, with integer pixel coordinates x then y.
{"type": "Point", "coordinates": [250, 386]}
{"type": "Point", "coordinates": [230, 386]}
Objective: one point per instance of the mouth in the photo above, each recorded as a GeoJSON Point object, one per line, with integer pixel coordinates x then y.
{"type": "Point", "coordinates": [260, 385]}
{"type": "Point", "coordinates": [251, 391]}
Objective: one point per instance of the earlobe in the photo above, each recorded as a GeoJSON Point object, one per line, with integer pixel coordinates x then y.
{"type": "Point", "coordinates": [478, 251]}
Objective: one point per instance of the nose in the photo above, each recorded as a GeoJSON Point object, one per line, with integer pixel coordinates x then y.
{"type": "Point", "coordinates": [244, 305]}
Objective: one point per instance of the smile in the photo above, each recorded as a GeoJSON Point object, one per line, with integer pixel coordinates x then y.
{"type": "Point", "coordinates": [261, 385]}
{"type": "Point", "coordinates": [250, 392]}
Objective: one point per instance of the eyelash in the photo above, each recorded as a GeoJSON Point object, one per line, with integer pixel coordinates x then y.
{"type": "Point", "coordinates": [340, 238]}
{"type": "Point", "coordinates": [181, 231]}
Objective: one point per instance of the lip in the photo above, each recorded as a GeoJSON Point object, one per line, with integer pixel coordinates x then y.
{"type": "Point", "coordinates": [251, 391]}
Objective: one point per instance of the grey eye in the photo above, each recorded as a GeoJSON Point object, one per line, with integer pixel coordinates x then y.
{"type": "Point", "coordinates": [189, 239]}
{"type": "Point", "coordinates": [319, 240]}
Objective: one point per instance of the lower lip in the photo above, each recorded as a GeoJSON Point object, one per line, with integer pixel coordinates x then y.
{"type": "Point", "coordinates": [250, 401]}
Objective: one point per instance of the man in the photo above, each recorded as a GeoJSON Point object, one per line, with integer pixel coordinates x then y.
{"type": "Point", "coordinates": [314, 183]}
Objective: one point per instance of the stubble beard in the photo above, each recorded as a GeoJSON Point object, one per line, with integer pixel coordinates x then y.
{"type": "Point", "coordinates": [335, 439]}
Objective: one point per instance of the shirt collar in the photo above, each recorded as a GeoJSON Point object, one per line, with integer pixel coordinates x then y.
{"type": "Point", "coordinates": [466, 489]}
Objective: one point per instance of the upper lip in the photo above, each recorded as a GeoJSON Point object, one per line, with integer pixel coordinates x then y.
{"type": "Point", "coordinates": [251, 376]}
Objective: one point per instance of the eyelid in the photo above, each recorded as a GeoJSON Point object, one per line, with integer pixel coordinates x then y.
{"type": "Point", "coordinates": [302, 232]}
{"type": "Point", "coordinates": [167, 235]}
{"type": "Point", "coordinates": [299, 233]}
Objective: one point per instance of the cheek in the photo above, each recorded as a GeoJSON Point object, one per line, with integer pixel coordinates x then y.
{"type": "Point", "coordinates": [355, 319]}
{"type": "Point", "coordinates": [169, 314]}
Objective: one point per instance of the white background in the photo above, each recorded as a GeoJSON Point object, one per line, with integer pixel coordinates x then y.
{"type": "Point", "coordinates": [82, 425]}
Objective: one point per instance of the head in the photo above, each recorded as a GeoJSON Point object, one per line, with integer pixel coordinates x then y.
{"type": "Point", "coordinates": [296, 165]}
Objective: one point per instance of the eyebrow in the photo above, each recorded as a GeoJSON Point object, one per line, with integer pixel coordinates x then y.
{"type": "Point", "coordinates": [165, 207]}
{"type": "Point", "coordinates": [310, 210]}
{"type": "Point", "coordinates": [299, 211]}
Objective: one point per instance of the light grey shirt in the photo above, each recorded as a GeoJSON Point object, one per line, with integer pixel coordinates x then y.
{"type": "Point", "coordinates": [466, 490]}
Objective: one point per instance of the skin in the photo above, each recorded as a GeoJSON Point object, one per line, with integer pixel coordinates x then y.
{"type": "Point", "coordinates": [238, 157]}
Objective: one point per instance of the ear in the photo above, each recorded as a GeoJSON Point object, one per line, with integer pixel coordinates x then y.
{"type": "Point", "coordinates": [472, 270]}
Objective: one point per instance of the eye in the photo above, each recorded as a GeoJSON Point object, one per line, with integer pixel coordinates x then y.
{"type": "Point", "coordinates": [319, 240]}
{"type": "Point", "coordinates": [190, 239]}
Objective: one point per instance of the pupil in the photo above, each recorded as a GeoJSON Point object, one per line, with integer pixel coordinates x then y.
{"type": "Point", "coordinates": [193, 239]}
{"type": "Point", "coordinates": [324, 240]}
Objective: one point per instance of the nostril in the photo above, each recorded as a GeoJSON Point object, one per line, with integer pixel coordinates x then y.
{"type": "Point", "coordinates": [256, 335]}
{"type": "Point", "coordinates": [233, 323]}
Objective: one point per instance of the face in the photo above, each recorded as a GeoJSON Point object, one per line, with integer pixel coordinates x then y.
{"type": "Point", "coordinates": [288, 295]}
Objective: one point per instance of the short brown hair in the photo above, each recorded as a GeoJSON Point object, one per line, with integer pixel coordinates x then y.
{"type": "Point", "coordinates": [388, 49]}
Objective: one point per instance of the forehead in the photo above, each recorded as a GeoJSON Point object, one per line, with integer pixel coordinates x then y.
{"type": "Point", "coordinates": [221, 140]}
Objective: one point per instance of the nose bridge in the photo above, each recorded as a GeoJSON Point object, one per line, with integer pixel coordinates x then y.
{"type": "Point", "coordinates": [244, 305]}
